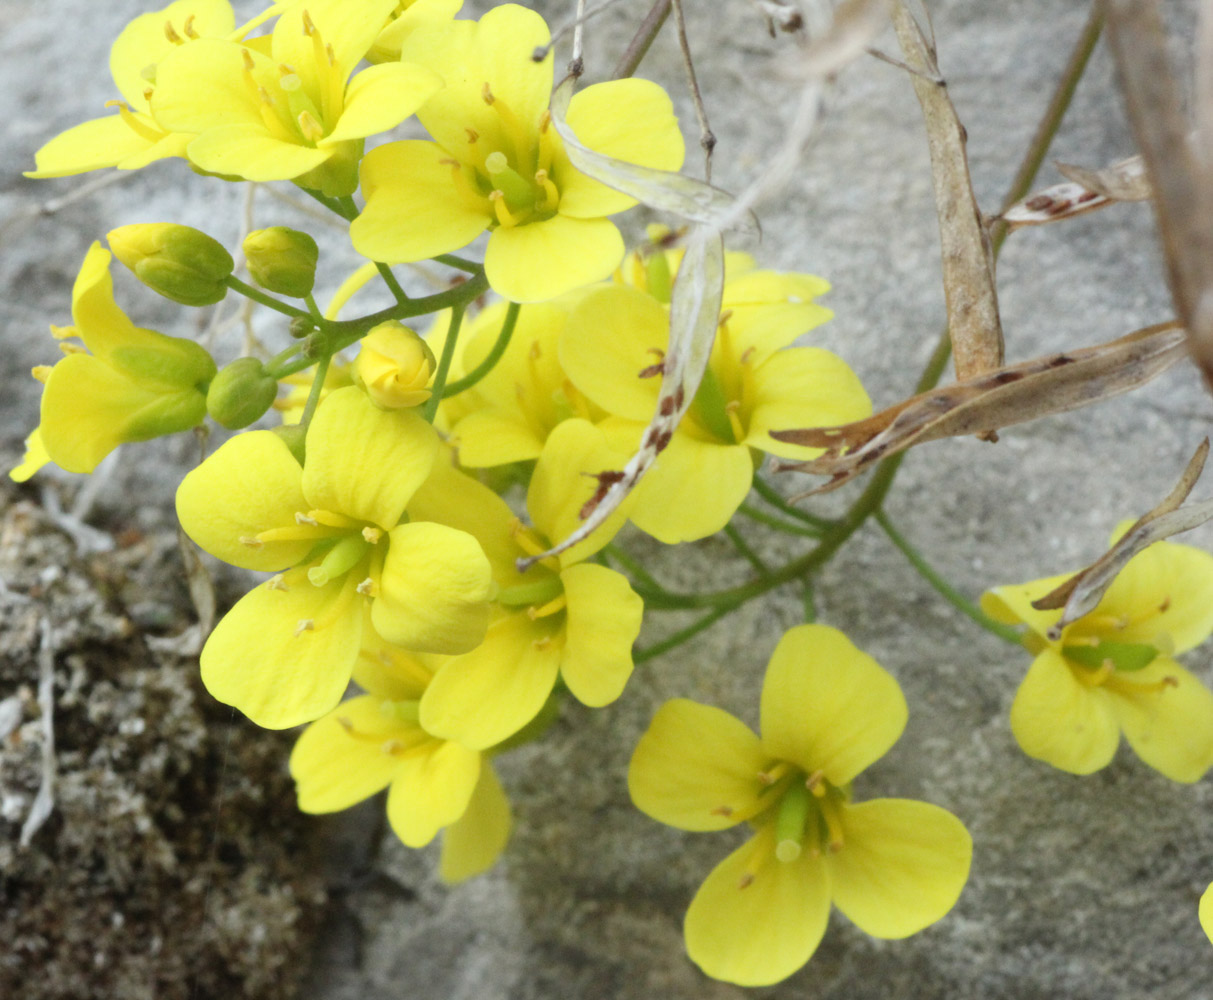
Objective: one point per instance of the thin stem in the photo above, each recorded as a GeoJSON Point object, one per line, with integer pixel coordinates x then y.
{"type": "Point", "coordinates": [633, 568]}
{"type": "Point", "coordinates": [490, 361]}
{"type": "Point", "coordinates": [349, 211]}
{"type": "Point", "coordinates": [707, 140]}
{"type": "Point", "coordinates": [459, 263]}
{"type": "Point", "coordinates": [771, 521]}
{"type": "Point", "coordinates": [249, 292]}
{"type": "Point", "coordinates": [776, 500]}
{"type": "Point", "coordinates": [747, 553]}
{"type": "Point", "coordinates": [444, 363]}
{"type": "Point", "coordinates": [638, 47]}
{"type": "Point", "coordinates": [310, 301]}
{"type": "Point", "coordinates": [682, 635]}
{"type": "Point", "coordinates": [313, 396]}
{"type": "Point", "coordinates": [942, 587]}
{"type": "Point", "coordinates": [393, 285]}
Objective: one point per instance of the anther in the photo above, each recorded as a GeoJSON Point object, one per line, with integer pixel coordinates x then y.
{"type": "Point", "coordinates": [722, 811]}
{"type": "Point", "coordinates": [309, 28]}
{"type": "Point", "coordinates": [392, 747]}
{"type": "Point", "coordinates": [248, 60]}
{"type": "Point", "coordinates": [311, 129]}
{"type": "Point", "coordinates": [745, 881]}
{"type": "Point", "coordinates": [367, 588]}
{"type": "Point", "coordinates": [41, 373]}
{"type": "Point", "coordinates": [747, 355]}
{"type": "Point", "coordinates": [171, 34]}
{"type": "Point", "coordinates": [277, 582]}
{"type": "Point", "coordinates": [332, 56]}
{"type": "Point", "coordinates": [725, 317]}
{"type": "Point", "coordinates": [487, 94]}
{"type": "Point", "coordinates": [345, 724]}
{"type": "Point", "coordinates": [372, 534]}
{"type": "Point", "coordinates": [305, 625]}
{"type": "Point", "coordinates": [188, 27]}
{"type": "Point", "coordinates": [252, 541]}
{"type": "Point", "coordinates": [473, 135]}
{"type": "Point", "coordinates": [545, 120]}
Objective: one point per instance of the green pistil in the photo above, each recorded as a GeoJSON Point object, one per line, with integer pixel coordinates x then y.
{"type": "Point", "coordinates": [790, 821]}
{"type": "Point", "coordinates": [657, 274]}
{"type": "Point", "coordinates": [709, 408]}
{"type": "Point", "coordinates": [1124, 656]}
{"type": "Point", "coordinates": [519, 193]}
{"type": "Point", "coordinates": [538, 593]}
{"type": "Point", "coordinates": [401, 711]}
{"type": "Point", "coordinates": [341, 558]}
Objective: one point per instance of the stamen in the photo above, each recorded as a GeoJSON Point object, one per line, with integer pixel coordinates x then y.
{"type": "Point", "coordinates": [815, 783]}
{"type": "Point", "coordinates": [545, 120]}
{"type": "Point", "coordinates": [759, 853]}
{"type": "Point", "coordinates": [72, 349]}
{"type": "Point", "coordinates": [730, 411]}
{"type": "Point", "coordinates": [41, 372]}
{"type": "Point", "coordinates": [140, 128]}
{"type": "Point", "coordinates": [473, 135]}
{"type": "Point", "coordinates": [721, 811]}
{"type": "Point", "coordinates": [252, 541]}
{"type": "Point", "coordinates": [190, 31]}
{"type": "Point", "coordinates": [487, 94]}
{"type": "Point", "coordinates": [551, 194]}
{"type": "Point", "coordinates": [773, 774]}
{"type": "Point", "coordinates": [372, 534]}
{"type": "Point", "coordinates": [171, 34]}
{"type": "Point", "coordinates": [829, 810]}
{"type": "Point", "coordinates": [367, 588]}
{"type": "Point", "coordinates": [392, 747]}
{"type": "Point", "coordinates": [542, 643]}
{"type": "Point", "coordinates": [277, 582]}
{"type": "Point", "coordinates": [302, 518]}
{"type": "Point", "coordinates": [551, 608]}
{"type": "Point", "coordinates": [312, 130]}
{"type": "Point", "coordinates": [305, 625]}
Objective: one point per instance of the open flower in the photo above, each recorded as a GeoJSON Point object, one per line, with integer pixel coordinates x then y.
{"type": "Point", "coordinates": [284, 653]}
{"type": "Point", "coordinates": [564, 618]}
{"type": "Point", "coordinates": [612, 350]}
{"type": "Point", "coordinates": [1111, 671]}
{"type": "Point", "coordinates": [132, 138]}
{"type": "Point", "coordinates": [294, 114]}
{"type": "Point", "coordinates": [496, 162]}
{"type": "Point", "coordinates": [893, 866]}
{"type": "Point", "coordinates": [136, 384]}
{"type": "Point", "coordinates": [374, 741]}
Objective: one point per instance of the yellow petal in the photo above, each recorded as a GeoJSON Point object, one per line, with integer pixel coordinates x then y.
{"type": "Point", "coordinates": [420, 12]}
{"type": "Point", "coordinates": [431, 790]}
{"type": "Point", "coordinates": [389, 671]}
{"type": "Point", "coordinates": [538, 261]}
{"type": "Point", "coordinates": [631, 120]}
{"type": "Point", "coordinates": [247, 150]}
{"type": "Point", "coordinates": [100, 323]}
{"type": "Point", "coordinates": [697, 767]}
{"type": "Point", "coordinates": [380, 98]}
{"type": "Point", "coordinates": [717, 475]}
{"type": "Point", "coordinates": [251, 484]}
{"type": "Point", "coordinates": [613, 336]}
{"type": "Point", "coordinates": [496, 436]}
{"type": "Point", "coordinates": [601, 624]}
{"type": "Point", "coordinates": [1165, 591]}
{"type": "Point", "coordinates": [489, 694]}
{"type": "Point", "coordinates": [374, 481]}
{"type": "Point", "coordinates": [474, 842]}
{"type": "Point", "coordinates": [1206, 912]}
{"type": "Point", "coordinates": [91, 145]}
{"type": "Point", "coordinates": [284, 656]}
{"type": "Point", "coordinates": [1167, 716]}
{"type": "Point", "coordinates": [144, 41]}
{"type": "Point", "coordinates": [414, 209]}
{"type": "Point", "coordinates": [802, 387]}
{"type": "Point", "coordinates": [1012, 604]}
{"type": "Point", "coordinates": [760, 934]}
{"type": "Point", "coordinates": [901, 867]}
{"type": "Point", "coordinates": [202, 86]}
{"type": "Point", "coordinates": [827, 706]}
{"type": "Point", "coordinates": [346, 30]}
{"type": "Point", "coordinates": [340, 760]}
{"type": "Point", "coordinates": [564, 481]}
{"type": "Point", "coordinates": [1058, 719]}
{"type": "Point", "coordinates": [434, 591]}
{"type": "Point", "coordinates": [34, 458]}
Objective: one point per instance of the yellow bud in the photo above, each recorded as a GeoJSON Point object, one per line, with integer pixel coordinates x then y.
{"type": "Point", "coordinates": [394, 366]}
{"type": "Point", "coordinates": [240, 393]}
{"type": "Point", "coordinates": [179, 262]}
{"type": "Point", "coordinates": [282, 260]}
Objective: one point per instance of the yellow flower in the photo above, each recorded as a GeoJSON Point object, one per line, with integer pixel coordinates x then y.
{"type": "Point", "coordinates": [374, 741]}
{"type": "Point", "coordinates": [612, 350]}
{"type": "Point", "coordinates": [893, 866]}
{"type": "Point", "coordinates": [508, 415]}
{"type": "Point", "coordinates": [283, 654]}
{"type": "Point", "coordinates": [294, 113]}
{"type": "Point", "coordinates": [135, 385]}
{"type": "Point", "coordinates": [562, 618]}
{"type": "Point", "coordinates": [498, 164]}
{"type": "Point", "coordinates": [132, 138]}
{"type": "Point", "coordinates": [1111, 671]}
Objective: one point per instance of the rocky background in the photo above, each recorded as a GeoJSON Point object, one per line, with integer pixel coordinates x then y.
{"type": "Point", "coordinates": [174, 863]}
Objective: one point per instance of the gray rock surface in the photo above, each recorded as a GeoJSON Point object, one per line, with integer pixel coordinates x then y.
{"type": "Point", "coordinates": [1081, 888]}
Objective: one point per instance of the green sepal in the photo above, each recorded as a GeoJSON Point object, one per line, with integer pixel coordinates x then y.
{"type": "Point", "coordinates": [1125, 656]}
{"type": "Point", "coordinates": [241, 393]}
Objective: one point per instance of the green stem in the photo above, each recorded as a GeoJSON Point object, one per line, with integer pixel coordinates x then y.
{"type": "Point", "coordinates": [490, 361]}
{"type": "Point", "coordinates": [639, 46]}
{"type": "Point", "coordinates": [313, 397]}
{"type": "Point", "coordinates": [771, 521]}
{"type": "Point", "coordinates": [393, 285]}
{"type": "Point", "coordinates": [633, 568]}
{"type": "Point", "coordinates": [681, 636]}
{"type": "Point", "coordinates": [345, 208]}
{"type": "Point", "coordinates": [458, 263]}
{"type": "Point", "coordinates": [249, 292]}
{"type": "Point", "coordinates": [747, 553]}
{"type": "Point", "coordinates": [310, 301]}
{"type": "Point", "coordinates": [776, 500]}
{"type": "Point", "coordinates": [444, 363]}
{"type": "Point", "coordinates": [942, 587]}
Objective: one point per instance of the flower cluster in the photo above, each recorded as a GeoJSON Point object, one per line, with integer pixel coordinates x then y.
{"type": "Point", "coordinates": [415, 511]}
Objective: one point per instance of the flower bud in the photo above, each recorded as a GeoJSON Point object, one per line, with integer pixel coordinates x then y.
{"type": "Point", "coordinates": [240, 393]}
{"type": "Point", "coordinates": [179, 262]}
{"type": "Point", "coordinates": [394, 366]}
{"type": "Point", "coordinates": [282, 260]}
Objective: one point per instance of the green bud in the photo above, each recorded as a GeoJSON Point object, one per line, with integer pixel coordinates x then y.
{"type": "Point", "coordinates": [282, 260]}
{"type": "Point", "coordinates": [240, 393]}
{"type": "Point", "coordinates": [301, 326]}
{"type": "Point", "coordinates": [179, 262]}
